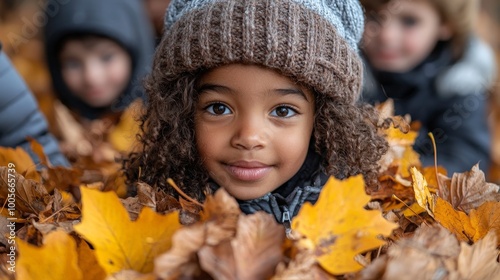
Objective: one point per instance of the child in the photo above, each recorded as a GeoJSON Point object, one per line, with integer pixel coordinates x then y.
{"type": "Point", "coordinates": [422, 54]}
{"type": "Point", "coordinates": [20, 117]}
{"type": "Point", "coordinates": [98, 53]}
{"type": "Point", "coordinates": [259, 98]}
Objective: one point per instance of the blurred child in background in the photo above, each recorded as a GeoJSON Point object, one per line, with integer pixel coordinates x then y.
{"type": "Point", "coordinates": [423, 54]}
{"type": "Point", "coordinates": [98, 52]}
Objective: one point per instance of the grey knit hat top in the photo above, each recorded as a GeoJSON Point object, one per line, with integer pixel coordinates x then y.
{"type": "Point", "coordinates": [313, 41]}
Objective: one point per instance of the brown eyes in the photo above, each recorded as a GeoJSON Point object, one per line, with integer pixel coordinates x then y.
{"type": "Point", "coordinates": [220, 109]}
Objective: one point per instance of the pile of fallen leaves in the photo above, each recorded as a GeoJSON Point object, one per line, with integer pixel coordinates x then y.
{"type": "Point", "coordinates": [418, 223]}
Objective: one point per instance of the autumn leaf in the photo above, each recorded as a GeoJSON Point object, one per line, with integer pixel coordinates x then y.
{"type": "Point", "coordinates": [252, 254]}
{"type": "Point", "coordinates": [23, 164]}
{"type": "Point", "coordinates": [30, 196]}
{"type": "Point", "coordinates": [469, 190]}
{"type": "Point", "coordinates": [456, 222]}
{"type": "Point", "coordinates": [484, 219]}
{"type": "Point", "coordinates": [119, 243]}
{"type": "Point", "coordinates": [338, 227]}
{"type": "Point", "coordinates": [432, 251]}
{"type": "Point", "coordinates": [88, 263]}
{"type": "Point", "coordinates": [56, 259]}
{"type": "Point", "coordinates": [221, 212]}
{"type": "Point", "coordinates": [424, 197]}
{"type": "Point", "coordinates": [479, 261]}
{"type": "Point", "coordinates": [181, 260]}
{"type": "Point", "coordinates": [123, 135]}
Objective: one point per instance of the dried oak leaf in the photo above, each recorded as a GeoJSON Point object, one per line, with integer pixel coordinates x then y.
{"type": "Point", "coordinates": [430, 254]}
{"type": "Point", "coordinates": [469, 190]}
{"type": "Point", "coordinates": [56, 259]}
{"type": "Point", "coordinates": [253, 254]}
{"type": "Point", "coordinates": [337, 227]}
{"type": "Point", "coordinates": [119, 243]}
{"type": "Point", "coordinates": [31, 196]}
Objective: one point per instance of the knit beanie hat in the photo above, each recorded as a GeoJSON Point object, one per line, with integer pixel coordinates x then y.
{"type": "Point", "coordinates": [312, 41]}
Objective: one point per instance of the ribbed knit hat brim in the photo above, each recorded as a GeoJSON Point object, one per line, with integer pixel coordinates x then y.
{"type": "Point", "coordinates": [279, 34]}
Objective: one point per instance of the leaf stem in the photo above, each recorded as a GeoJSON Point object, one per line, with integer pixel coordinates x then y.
{"type": "Point", "coordinates": [187, 197]}
{"type": "Point", "coordinates": [435, 157]}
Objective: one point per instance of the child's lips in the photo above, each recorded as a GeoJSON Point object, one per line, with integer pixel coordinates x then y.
{"type": "Point", "coordinates": [248, 170]}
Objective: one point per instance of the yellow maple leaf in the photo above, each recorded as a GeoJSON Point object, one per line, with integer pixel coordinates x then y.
{"type": "Point", "coordinates": [337, 227]}
{"type": "Point", "coordinates": [56, 259]}
{"type": "Point", "coordinates": [422, 193]}
{"type": "Point", "coordinates": [119, 243]}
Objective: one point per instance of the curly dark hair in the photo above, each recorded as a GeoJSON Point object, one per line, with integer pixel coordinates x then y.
{"type": "Point", "coordinates": [346, 135]}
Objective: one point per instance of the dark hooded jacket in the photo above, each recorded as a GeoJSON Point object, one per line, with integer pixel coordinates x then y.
{"type": "Point", "coordinates": [20, 117]}
{"type": "Point", "coordinates": [448, 98]}
{"type": "Point", "coordinates": [124, 21]}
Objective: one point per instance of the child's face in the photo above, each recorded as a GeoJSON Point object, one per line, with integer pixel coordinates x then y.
{"type": "Point", "coordinates": [96, 70]}
{"type": "Point", "coordinates": [253, 128]}
{"type": "Point", "coordinates": [402, 34]}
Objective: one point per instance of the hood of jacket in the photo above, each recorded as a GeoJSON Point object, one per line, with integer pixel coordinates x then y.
{"type": "Point", "coordinates": [123, 21]}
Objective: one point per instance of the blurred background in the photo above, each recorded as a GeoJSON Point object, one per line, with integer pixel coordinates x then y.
{"type": "Point", "coordinates": [21, 23]}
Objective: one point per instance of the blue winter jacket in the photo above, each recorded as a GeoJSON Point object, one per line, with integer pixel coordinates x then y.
{"type": "Point", "coordinates": [20, 116]}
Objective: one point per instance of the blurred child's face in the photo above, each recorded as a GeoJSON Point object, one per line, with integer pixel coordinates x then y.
{"type": "Point", "coordinates": [96, 70]}
{"type": "Point", "coordinates": [253, 128]}
{"type": "Point", "coordinates": [402, 34]}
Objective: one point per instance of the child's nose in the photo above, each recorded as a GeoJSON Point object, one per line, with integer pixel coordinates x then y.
{"type": "Point", "coordinates": [250, 134]}
{"type": "Point", "coordinates": [388, 32]}
{"type": "Point", "coordinates": [92, 73]}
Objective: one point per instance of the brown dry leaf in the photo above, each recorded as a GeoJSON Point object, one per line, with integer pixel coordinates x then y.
{"type": "Point", "coordinates": [220, 212]}
{"type": "Point", "coordinates": [87, 261]}
{"type": "Point", "coordinates": [469, 190]}
{"type": "Point", "coordinates": [129, 275]}
{"type": "Point", "coordinates": [456, 222]}
{"type": "Point", "coordinates": [430, 254]}
{"type": "Point", "coordinates": [133, 206]}
{"type": "Point", "coordinates": [337, 239]}
{"type": "Point", "coordinates": [253, 254]}
{"type": "Point", "coordinates": [23, 164]}
{"type": "Point", "coordinates": [181, 259]}
{"type": "Point", "coordinates": [479, 261]}
{"type": "Point", "coordinates": [47, 228]}
{"type": "Point", "coordinates": [116, 182]}
{"type": "Point", "coordinates": [157, 199]}
{"type": "Point", "coordinates": [303, 266]}
{"type": "Point", "coordinates": [31, 196]}
{"type": "Point", "coordinates": [484, 219]}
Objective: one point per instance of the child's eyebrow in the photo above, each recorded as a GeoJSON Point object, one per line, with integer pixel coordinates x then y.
{"type": "Point", "coordinates": [286, 91]}
{"type": "Point", "coordinates": [283, 91]}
